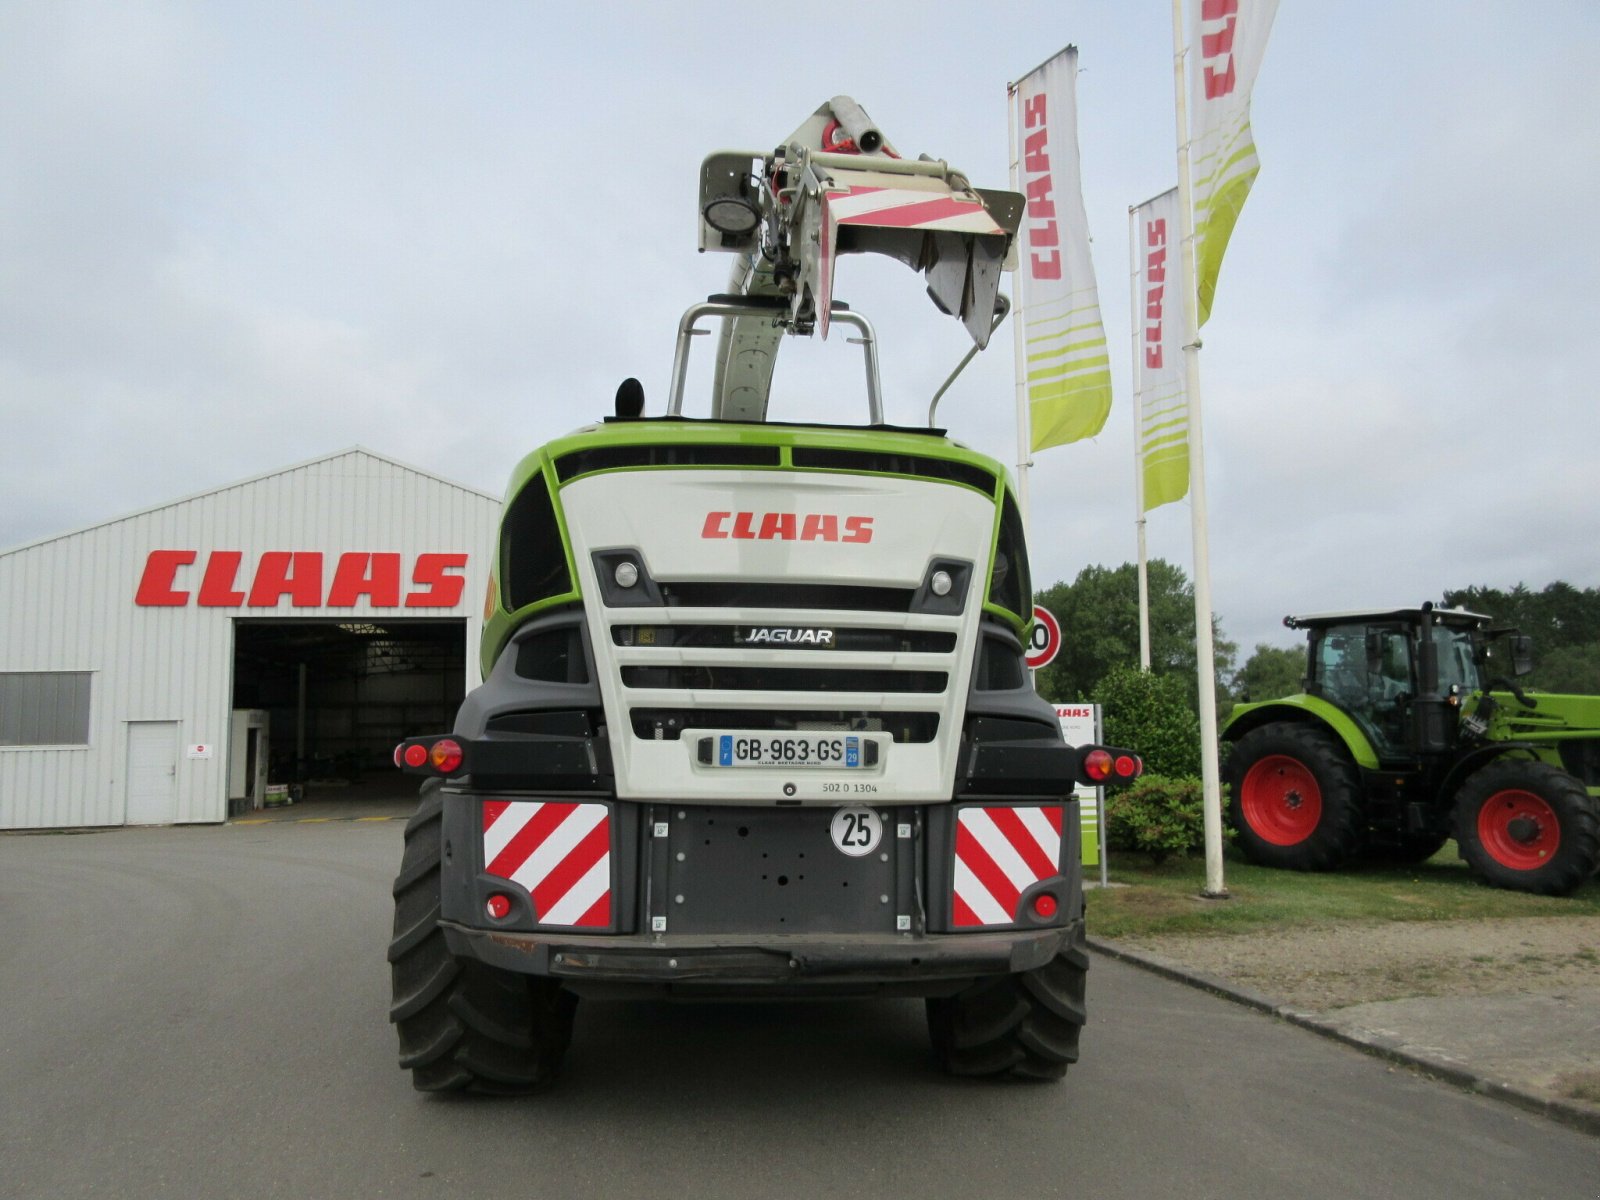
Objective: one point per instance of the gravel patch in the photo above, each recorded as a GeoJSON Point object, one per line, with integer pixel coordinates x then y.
{"type": "Point", "coordinates": [1319, 969]}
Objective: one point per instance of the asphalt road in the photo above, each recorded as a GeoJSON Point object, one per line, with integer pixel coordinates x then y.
{"type": "Point", "coordinates": [201, 1012]}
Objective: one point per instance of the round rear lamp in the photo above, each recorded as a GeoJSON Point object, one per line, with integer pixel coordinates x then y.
{"type": "Point", "coordinates": [498, 907]}
{"type": "Point", "coordinates": [1097, 765]}
{"type": "Point", "coordinates": [416, 755]}
{"type": "Point", "coordinates": [1044, 905]}
{"type": "Point", "coordinates": [445, 755]}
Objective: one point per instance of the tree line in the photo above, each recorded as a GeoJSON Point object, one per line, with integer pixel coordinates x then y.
{"type": "Point", "coordinates": [1099, 615]}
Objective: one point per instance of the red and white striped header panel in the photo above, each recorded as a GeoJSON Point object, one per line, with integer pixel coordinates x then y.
{"type": "Point", "coordinates": [1001, 853]}
{"type": "Point", "coordinates": [559, 852]}
{"type": "Point", "coordinates": [904, 208]}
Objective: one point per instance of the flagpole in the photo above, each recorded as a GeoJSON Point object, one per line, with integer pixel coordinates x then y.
{"type": "Point", "coordinates": [1205, 651]}
{"type": "Point", "coordinates": [1018, 341]}
{"type": "Point", "coordinates": [1138, 438]}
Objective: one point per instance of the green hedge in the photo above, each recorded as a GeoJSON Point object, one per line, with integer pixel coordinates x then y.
{"type": "Point", "coordinates": [1157, 815]}
{"type": "Point", "coordinates": [1150, 715]}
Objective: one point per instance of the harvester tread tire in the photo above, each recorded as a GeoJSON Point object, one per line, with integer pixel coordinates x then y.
{"type": "Point", "coordinates": [1273, 774]}
{"type": "Point", "coordinates": [1559, 846]}
{"type": "Point", "coordinates": [1023, 1026]}
{"type": "Point", "coordinates": [463, 1025]}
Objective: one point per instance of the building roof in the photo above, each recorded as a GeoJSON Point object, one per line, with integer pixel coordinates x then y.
{"type": "Point", "coordinates": [352, 451]}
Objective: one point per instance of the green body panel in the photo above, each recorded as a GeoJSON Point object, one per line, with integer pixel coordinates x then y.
{"type": "Point", "coordinates": [1555, 719]}
{"type": "Point", "coordinates": [500, 624]}
{"type": "Point", "coordinates": [1246, 717]}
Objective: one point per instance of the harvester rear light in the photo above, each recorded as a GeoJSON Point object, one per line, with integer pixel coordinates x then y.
{"type": "Point", "coordinates": [1109, 765]}
{"type": "Point", "coordinates": [445, 755]}
{"type": "Point", "coordinates": [1044, 906]}
{"type": "Point", "coordinates": [1098, 765]}
{"type": "Point", "coordinates": [432, 756]}
{"type": "Point", "coordinates": [498, 907]}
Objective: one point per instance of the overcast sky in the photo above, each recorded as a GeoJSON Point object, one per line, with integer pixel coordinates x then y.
{"type": "Point", "coordinates": [237, 236]}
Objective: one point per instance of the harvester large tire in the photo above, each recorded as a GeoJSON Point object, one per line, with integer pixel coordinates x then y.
{"type": "Point", "coordinates": [1296, 798]}
{"type": "Point", "coordinates": [463, 1025]}
{"type": "Point", "coordinates": [1025, 1026]}
{"type": "Point", "coordinates": [1528, 826]}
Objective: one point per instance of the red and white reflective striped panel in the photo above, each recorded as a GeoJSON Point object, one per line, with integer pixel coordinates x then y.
{"type": "Point", "coordinates": [907, 208]}
{"type": "Point", "coordinates": [890, 208]}
{"type": "Point", "coordinates": [1000, 853]}
{"type": "Point", "coordinates": [561, 853]}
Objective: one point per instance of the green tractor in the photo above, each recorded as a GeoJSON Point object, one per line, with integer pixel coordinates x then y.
{"type": "Point", "coordinates": [1406, 735]}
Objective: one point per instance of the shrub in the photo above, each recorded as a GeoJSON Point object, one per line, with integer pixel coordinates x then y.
{"type": "Point", "coordinates": [1150, 715]}
{"type": "Point", "coordinates": [1157, 815]}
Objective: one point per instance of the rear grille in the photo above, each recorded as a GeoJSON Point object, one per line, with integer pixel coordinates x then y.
{"type": "Point", "coordinates": [785, 666]}
{"type": "Point", "coordinates": [922, 466]}
{"type": "Point", "coordinates": [740, 594]}
{"type": "Point", "coordinates": [607, 458]}
{"type": "Point", "coordinates": [784, 679]}
{"type": "Point", "coordinates": [747, 636]}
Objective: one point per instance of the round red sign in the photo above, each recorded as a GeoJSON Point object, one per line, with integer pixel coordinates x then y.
{"type": "Point", "coordinates": [1044, 639]}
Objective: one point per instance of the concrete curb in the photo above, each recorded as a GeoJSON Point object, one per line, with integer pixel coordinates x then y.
{"type": "Point", "coordinates": [1448, 1070]}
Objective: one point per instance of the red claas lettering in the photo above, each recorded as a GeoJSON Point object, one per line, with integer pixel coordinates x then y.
{"type": "Point", "coordinates": [1216, 47]}
{"type": "Point", "coordinates": [1042, 233]}
{"type": "Point", "coordinates": [786, 527]}
{"type": "Point", "coordinates": [437, 580]}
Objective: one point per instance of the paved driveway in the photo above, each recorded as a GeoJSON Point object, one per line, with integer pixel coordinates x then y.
{"type": "Point", "coordinates": [201, 1011]}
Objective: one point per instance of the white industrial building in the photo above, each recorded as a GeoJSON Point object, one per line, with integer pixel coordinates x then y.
{"type": "Point", "coordinates": [168, 666]}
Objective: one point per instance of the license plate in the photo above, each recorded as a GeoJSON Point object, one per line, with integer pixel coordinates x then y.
{"type": "Point", "coordinates": [788, 750]}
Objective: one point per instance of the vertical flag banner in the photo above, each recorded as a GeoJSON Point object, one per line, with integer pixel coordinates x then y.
{"type": "Point", "coordinates": [1066, 360]}
{"type": "Point", "coordinates": [1227, 39]}
{"type": "Point", "coordinates": [1158, 372]}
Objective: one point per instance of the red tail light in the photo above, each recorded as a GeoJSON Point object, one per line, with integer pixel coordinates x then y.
{"type": "Point", "coordinates": [416, 755]}
{"type": "Point", "coordinates": [1098, 765]}
{"type": "Point", "coordinates": [445, 756]}
{"type": "Point", "coordinates": [1129, 766]}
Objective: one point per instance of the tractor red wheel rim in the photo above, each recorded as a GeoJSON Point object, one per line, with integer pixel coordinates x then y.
{"type": "Point", "coordinates": [1519, 829]}
{"type": "Point", "coordinates": [1280, 800]}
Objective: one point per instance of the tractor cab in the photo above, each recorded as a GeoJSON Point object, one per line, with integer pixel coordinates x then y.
{"type": "Point", "coordinates": [1404, 675]}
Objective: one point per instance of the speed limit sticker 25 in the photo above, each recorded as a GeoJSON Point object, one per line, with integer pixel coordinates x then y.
{"type": "Point", "coordinates": [856, 831]}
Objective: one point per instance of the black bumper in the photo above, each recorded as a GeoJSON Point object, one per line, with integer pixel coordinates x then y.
{"type": "Point", "coordinates": [793, 962]}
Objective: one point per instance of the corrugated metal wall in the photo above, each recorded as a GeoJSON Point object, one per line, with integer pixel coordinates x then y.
{"type": "Point", "coordinates": [67, 604]}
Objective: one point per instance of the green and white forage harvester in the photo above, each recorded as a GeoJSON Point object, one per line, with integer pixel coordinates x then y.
{"type": "Point", "coordinates": [1408, 734]}
{"type": "Point", "coordinates": [755, 717]}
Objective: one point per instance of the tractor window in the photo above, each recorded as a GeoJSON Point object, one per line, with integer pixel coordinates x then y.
{"type": "Point", "coordinates": [1377, 697]}
{"type": "Point", "coordinates": [1457, 666]}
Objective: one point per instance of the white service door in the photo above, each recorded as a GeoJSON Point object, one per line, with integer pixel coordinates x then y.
{"type": "Point", "coordinates": [152, 772]}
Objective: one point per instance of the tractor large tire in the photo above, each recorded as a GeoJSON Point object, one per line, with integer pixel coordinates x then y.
{"type": "Point", "coordinates": [463, 1025]}
{"type": "Point", "coordinates": [1296, 798]}
{"type": "Point", "coordinates": [1024, 1026]}
{"type": "Point", "coordinates": [1529, 826]}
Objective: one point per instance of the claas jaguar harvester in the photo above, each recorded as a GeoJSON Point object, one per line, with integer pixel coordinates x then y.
{"type": "Point", "coordinates": [755, 717]}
